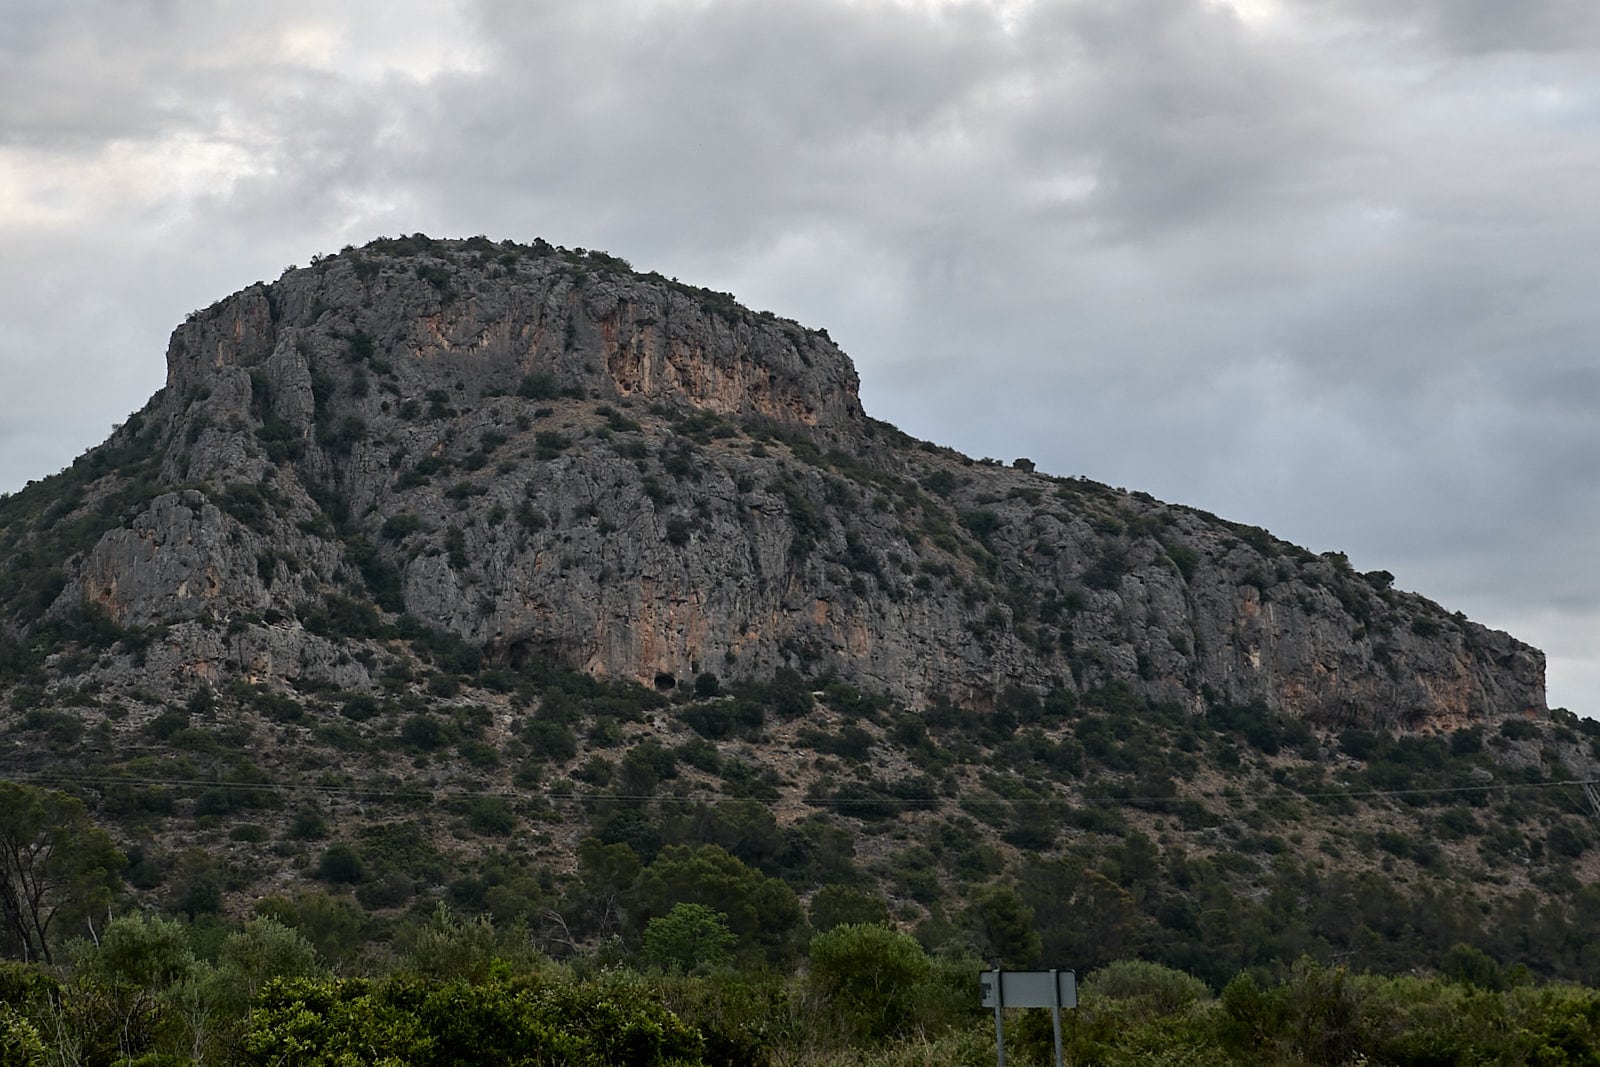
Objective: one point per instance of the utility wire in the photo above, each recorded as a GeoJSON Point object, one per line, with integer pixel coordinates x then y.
{"type": "Point", "coordinates": [578, 796]}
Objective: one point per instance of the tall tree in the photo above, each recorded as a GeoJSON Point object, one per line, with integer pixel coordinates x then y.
{"type": "Point", "coordinates": [56, 867]}
{"type": "Point", "coordinates": [1002, 927]}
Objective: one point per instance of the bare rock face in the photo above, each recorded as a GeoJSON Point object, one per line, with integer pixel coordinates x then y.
{"type": "Point", "coordinates": [559, 459]}
{"type": "Point", "coordinates": [174, 561]}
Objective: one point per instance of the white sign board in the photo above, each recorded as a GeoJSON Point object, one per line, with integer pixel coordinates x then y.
{"type": "Point", "coordinates": [1029, 989]}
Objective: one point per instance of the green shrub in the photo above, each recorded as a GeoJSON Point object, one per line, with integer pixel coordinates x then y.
{"type": "Point", "coordinates": [538, 386]}
{"type": "Point", "coordinates": [1185, 559]}
{"type": "Point", "coordinates": [308, 824]}
{"type": "Point", "coordinates": [21, 1044]}
{"type": "Point", "coordinates": [424, 732]}
{"type": "Point", "coordinates": [839, 905]}
{"type": "Point", "coordinates": [554, 742]}
{"type": "Point", "coordinates": [721, 719]}
{"type": "Point", "coordinates": [1156, 990]}
{"type": "Point", "coordinates": [762, 911]}
{"type": "Point", "coordinates": [548, 444]}
{"type": "Point", "coordinates": [868, 977]}
{"type": "Point", "coordinates": [983, 523]}
{"type": "Point", "coordinates": [1518, 730]}
{"type": "Point", "coordinates": [690, 937]}
{"type": "Point", "coordinates": [490, 816]}
{"type": "Point", "coordinates": [333, 924]}
{"type": "Point", "coordinates": [1569, 838]}
{"type": "Point", "coordinates": [398, 527]}
{"type": "Point", "coordinates": [340, 863]}
{"type": "Point", "coordinates": [435, 275]}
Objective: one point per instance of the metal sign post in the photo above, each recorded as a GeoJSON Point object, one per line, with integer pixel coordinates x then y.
{"type": "Point", "coordinates": [1055, 989]}
{"type": "Point", "coordinates": [999, 1026]}
{"type": "Point", "coordinates": [1055, 1010]}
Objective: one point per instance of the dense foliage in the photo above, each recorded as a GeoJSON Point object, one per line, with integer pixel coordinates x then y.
{"type": "Point", "coordinates": [56, 869]}
{"type": "Point", "coordinates": [156, 992]}
{"type": "Point", "coordinates": [1233, 840]}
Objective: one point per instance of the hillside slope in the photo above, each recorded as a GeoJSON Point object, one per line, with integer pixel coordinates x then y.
{"type": "Point", "coordinates": [561, 460]}
{"type": "Point", "coordinates": [510, 578]}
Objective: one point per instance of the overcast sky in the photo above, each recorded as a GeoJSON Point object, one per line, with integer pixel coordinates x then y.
{"type": "Point", "coordinates": [1324, 266]}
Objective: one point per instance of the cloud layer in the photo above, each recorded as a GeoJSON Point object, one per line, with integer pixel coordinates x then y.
{"type": "Point", "coordinates": [1320, 265]}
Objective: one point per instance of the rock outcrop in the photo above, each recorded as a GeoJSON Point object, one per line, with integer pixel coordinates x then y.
{"type": "Point", "coordinates": [560, 459]}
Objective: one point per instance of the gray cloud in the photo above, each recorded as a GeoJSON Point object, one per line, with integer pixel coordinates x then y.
{"type": "Point", "coordinates": [1317, 265]}
{"type": "Point", "coordinates": [1474, 27]}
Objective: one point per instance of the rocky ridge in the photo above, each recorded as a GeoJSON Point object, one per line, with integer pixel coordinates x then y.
{"type": "Point", "coordinates": [558, 459]}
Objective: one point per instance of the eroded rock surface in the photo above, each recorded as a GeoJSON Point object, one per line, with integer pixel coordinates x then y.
{"type": "Point", "coordinates": [557, 458]}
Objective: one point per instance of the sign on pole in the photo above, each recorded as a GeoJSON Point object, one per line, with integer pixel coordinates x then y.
{"type": "Point", "coordinates": [1029, 989]}
{"type": "Point", "coordinates": [999, 989]}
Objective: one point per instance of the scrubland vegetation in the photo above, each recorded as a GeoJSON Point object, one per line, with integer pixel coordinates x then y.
{"type": "Point", "coordinates": [155, 991]}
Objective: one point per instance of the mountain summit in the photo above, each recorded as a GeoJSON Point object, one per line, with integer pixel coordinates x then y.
{"type": "Point", "coordinates": [552, 458]}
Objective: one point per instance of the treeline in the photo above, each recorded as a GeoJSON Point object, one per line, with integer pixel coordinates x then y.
{"type": "Point", "coordinates": [154, 992]}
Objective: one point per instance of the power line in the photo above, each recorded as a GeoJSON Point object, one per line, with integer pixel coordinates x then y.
{"type": "Point", "coordinates": [881, 800]}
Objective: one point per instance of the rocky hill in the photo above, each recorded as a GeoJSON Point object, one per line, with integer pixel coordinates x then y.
{"type": "Point", "coordinates": [558, 459]}
{"type": "Point", "coordinates": [510, 578]}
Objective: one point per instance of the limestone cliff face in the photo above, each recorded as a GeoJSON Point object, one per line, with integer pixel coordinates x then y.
{"type": "Point", "coordinates": [557, 458]}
